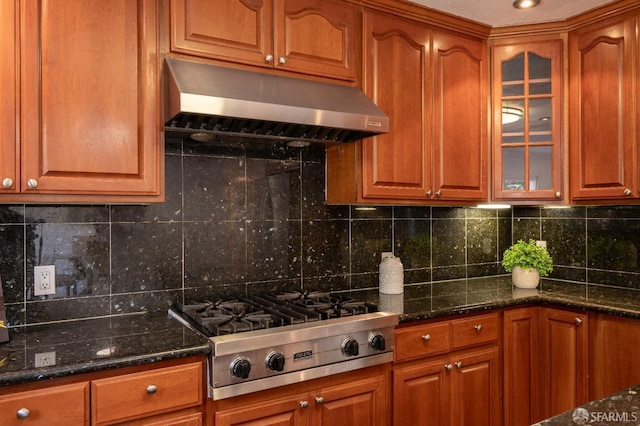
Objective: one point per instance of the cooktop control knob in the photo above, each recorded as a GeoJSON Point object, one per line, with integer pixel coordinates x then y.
{"type": "Point", "coordinates": [240, 367]}
{"type": "Point", "coordinates": [275, 361]}
{"type": "Point", "coordinates": [350, 347]}
{"type": "Point", "coordinates": [377, 342]}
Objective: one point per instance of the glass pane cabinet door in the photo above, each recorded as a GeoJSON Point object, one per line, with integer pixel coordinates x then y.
{"type": "Point", "coordinates": [527, 117]}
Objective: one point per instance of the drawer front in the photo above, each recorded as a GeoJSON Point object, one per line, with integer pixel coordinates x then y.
{"type": "Point", "coordinates": [477, 330]}
{"type": "Point", "coordinates": [417, 341]}
{"type": "Point", "coordinates": [58, 405]}
{"type": "Point", "coordinates": [133, 395]}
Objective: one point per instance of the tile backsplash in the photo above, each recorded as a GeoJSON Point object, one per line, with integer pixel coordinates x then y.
{"type": "Point", "coordinates": [239, 219]}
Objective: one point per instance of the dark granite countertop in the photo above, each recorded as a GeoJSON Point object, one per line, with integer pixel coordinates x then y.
{"type": "Point", "coordinates": [95, 344]}
{"type": "Point", "coordinates": [621, 408]}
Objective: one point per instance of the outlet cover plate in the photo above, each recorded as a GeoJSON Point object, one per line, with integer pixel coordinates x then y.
{"type": "Point", "coordinates": [45, 359]}
{"type": "Point", "coordinates": [44, 280]}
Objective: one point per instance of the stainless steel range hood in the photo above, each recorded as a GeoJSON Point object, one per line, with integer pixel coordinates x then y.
{"type": "Point", "coordinates": [210, 100]}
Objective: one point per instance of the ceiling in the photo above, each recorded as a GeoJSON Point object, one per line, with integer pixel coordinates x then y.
{"type": "Point", "coordinates": [501, 13]}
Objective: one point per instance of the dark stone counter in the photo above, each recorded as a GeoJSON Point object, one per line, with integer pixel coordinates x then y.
{"type": "Point", "coordinates": [97, 344]}
{"type": "Point", "coordinates": [621, 408]}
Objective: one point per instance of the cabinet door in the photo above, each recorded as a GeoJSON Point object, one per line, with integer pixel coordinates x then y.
{"type": "Point", "coordinates": [396, 77]}
{"type": "Point", "coordinates": [9, 160]}
{"type": "Point", "coordinates": [475, 388]}
{"type": "Point", "coordinates": [231, 30]}
{"type": "Point", "coordinates": [615, 350]}
{"type": "Point", "coordinates": [527, 106]}
{"type": "Point", "coordinates": [520, 366]}
{"type": "Point", "coordinates": [421, 394]}
{"type": "Point", "coordinates": [316, 37]}
{"type": "Point", "coordinates": [89, 98]}
{"type": "Point", "coordinates": [280, 412]}
{"type": "Point", "coordinates": [460, 129]}
{"type": "Point", "coordinates": [563, 361]}
{"type": "Point", "coordinates": [359, 403]}
{"type": "Point", "coordinates": [601, 111]}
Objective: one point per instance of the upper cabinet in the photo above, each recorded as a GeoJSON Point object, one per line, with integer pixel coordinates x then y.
{"type": "Point", "coordinates": [80, 108]}
{"type": "Point", "coordinates": [305, 36]}
{"type": "Point", "coordinates": [527, 121]}
{"type": "Point", "coordinates": [602, 91]}
{"type": "Point", "coordinates": [418, 77]}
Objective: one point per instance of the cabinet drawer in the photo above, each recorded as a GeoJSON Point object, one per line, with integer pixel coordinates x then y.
{"type": "Point", "coordinates": [148, 392]}
{"type": "Point", "coordinates": [429, 339]}
{"type": "Point", "coordinates": [474, 331]}
{"type": "Point", "coordinates": [59, 405]}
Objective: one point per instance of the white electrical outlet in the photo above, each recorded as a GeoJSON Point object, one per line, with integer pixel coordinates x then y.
{"type": "Point", "coordinates": [541, 243]}
{"type": "Point", "coordinates": [44, 280]}
{"type": "Point", "coordinates": [45, 359]}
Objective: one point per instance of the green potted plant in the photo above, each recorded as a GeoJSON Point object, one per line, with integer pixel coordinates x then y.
{"type": "Point", "coordinates": [527, 262]}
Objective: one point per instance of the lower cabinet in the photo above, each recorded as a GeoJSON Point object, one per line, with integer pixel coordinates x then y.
{"type": "Point", "coordinates": [447, 372]}
{"type": "Point", "coordinates": [358, 398]}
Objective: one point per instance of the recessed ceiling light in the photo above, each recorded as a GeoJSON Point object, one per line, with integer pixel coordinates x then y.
{"type": "Point", "coordinates": [525, 4]}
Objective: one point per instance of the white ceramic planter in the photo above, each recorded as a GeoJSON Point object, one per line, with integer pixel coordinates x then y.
{"type": "Point", "coordinates": [525, 278]}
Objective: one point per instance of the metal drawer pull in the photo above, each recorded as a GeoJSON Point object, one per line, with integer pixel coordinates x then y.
{"type": "Point", "coordinates": [151, 389]}
{"type": "Point", "coordinates": [32, 183]}
{"type": "Point", "coordinates": [448, 367]}
{"type": "Point", "coordinates": [627, 191]}
{"type": "Point", "coordinates": [577, 321]}
{"type": "Point", "coordinates": [478, 328]}
{"type": "Point", "coordinates": [304, 404]}
{"type": "Point", "coordinates": [458, 364]}
{"type": "Point", "coordinates": [426, 337]}
{"type": "Point", "coordinates": [23, 413]}
{"type": "Point", "coordinates": [319, 400]}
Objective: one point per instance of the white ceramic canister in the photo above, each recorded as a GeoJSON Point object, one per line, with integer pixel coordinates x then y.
{"type": "Point", "coordinates": [391, 276]}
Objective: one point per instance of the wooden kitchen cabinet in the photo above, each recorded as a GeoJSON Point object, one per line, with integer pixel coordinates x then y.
{"type": "Point", "coordinates": [527, 120]}
{"type": "Point", "coordinates": [601, 107]}
{"type": "Point", "coordinates": [456, 380]}
{"type": "Point", "coordinates": [615, 349]}
{"type": "Point", "coordinates": [520, 366]}
{"type": "Point", "coordinates": [564, 367]}
{"type": "Point", "coordinates": [356, 398]}
{"type": "Point", "coordinates": [83, 102]}
{"type": "Point", "coordinates": [417, 76]}
{"type": "Point", "coordinates": [64, 405]}
{"type": "Point", "coordinates": [304, 36]}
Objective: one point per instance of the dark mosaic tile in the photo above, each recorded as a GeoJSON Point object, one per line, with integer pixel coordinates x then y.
{"type": "Point", "coordinates": [565, 241]}
{"type": "Point", "coordinates": [505, 233]}
{"type": "Point", "coordinates": [526, 212]}
{"type": "Point", "coordinates": [613, 212]}
{"type": "Point", "coordinates": [613, 244]}
{"type": "Point", "coordinates": [195, 148]}
{"type": "Point", "coordinates": [274, 286]}
{"type": "Point", "coordinates": [313, 195]}
{"type": "Point", "coordinates": [482, 240]}
{"type": "Point", "coordinates": [214, 293]}
{"type": "Point", "coordinates": [365, 280]}
{"type": "Point", "coordinates": [449, 273]}
{"type": "Point", "coordinates": [314, 153]}
{"type": "Point", "coordinates": [614, 278]}
{"type": "Point", "coordinates": [66, 214]}
{"type": "Point", "coordinates": [145, 257]}
{"type": "Point", "coordinates": [80, 254]}
{"type": "Point", "coordinates": [448, 242]}
{"type": "Point", "coordinates": [569, 273]}
{"type": "Point", "coordinates": [172, 145]}
{"type": "Point", "coordinates": [67, 309]}
{"type": "Point", "coordinates": [16, 314]}
{"type": "Point", "coordinates": [214, 188]}
{"type": "Point", "coordinates": [329, 283]}
{"type": "Point", "coordinates": [483, 270]}
{"type": "Point", "coordinates": [413, 276]}
{"type": "Point", "coordinates": [472, 213]}
{"type": "Point", "coordinates": [273, 190]}
{"type": "Point", "coordinates": [169, 210]}
{"type": "Point", "coordinates": [526, 229]}
{"type": "Point", "coordinates": [371, 212]}
{"type": "Point", "coordinates": [11, 214]}
{"type": "Point", "coordinates": [369, 238]}
{"type": "Point", "coordinates": [273, 249]}
{"type": "Point", "coordinates": [411, 212]}
{"type": "Point", "coordinates": [12, 262]}
{"type": "Point", "coordinates": [448, 212]}
{"type": "Point", "coordinates": [325, 248]}
{"type": "Point", "coordinates": [413, 242]}
{"type": "Point", "coordinates": [214, 252]}
{"type": "Point", "coordinates": [148, 301]}
{"type": "Point", "coordinates": [577, 212]}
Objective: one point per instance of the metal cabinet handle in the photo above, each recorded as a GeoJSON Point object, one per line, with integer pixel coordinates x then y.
{"type": "Point", "coordinates": [627, 191]}
{"type": "Point", "coordinates": [304, 404]}
{"type": "Point", "coordinates": [577, 321]}
{"type": "Point", "coordinates": [438, 193]}
{"type": "Point", "coordinates": [448, 367]}
{"type": "Point", "coordinates": [478, 328]}
{"type": "Point", "coordinates": [7, 183]}
{"type": "Point", "coordinates": [429, 192]}
{"type": "Point", "coordinates": [319, 400]}
{"type": "Point", "coordinates": [268, 58]}
{"type": "Point", "coordinates": [151, 389]}
{"type": "Point", "coordinates": [282, 60]}
{"type": "Point", "coordinates": [32, 183]}
{"type": "Point", "coordinates": [23, 413]}
{"type": "Point", "coordinates": [426, 337]}
{"type": "Point", "coordinates": [458, 364]}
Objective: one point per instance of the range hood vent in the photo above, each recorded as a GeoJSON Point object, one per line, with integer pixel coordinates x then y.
{"type": "Point", "coordinates": [210, 100]}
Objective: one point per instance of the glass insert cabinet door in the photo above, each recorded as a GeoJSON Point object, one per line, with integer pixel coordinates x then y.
{"type": "Point", "coordinates": [527, 121]}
